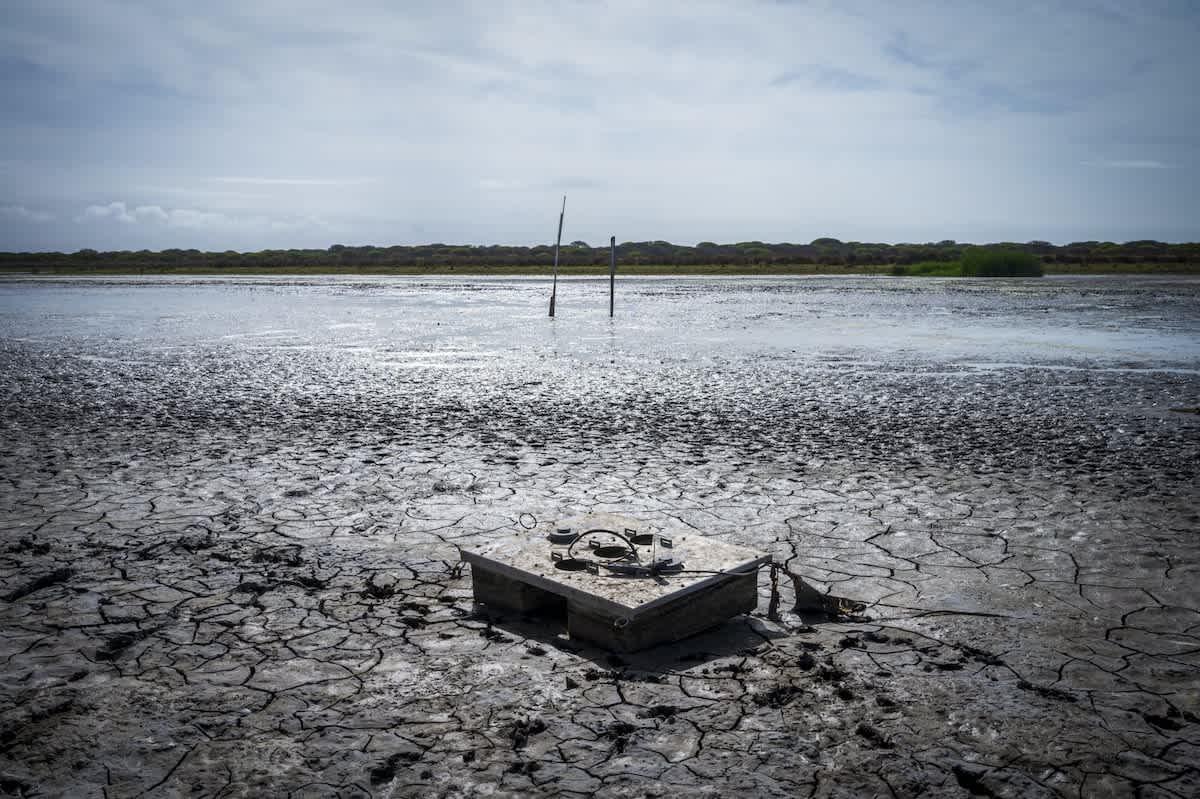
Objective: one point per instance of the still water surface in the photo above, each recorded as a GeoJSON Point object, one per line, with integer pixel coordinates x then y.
{"type": "Point", "coordinates": [1057, 322]}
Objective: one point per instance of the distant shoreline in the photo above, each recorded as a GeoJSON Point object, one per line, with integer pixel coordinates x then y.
{"type": "Point", "coordinates": [666, 270]}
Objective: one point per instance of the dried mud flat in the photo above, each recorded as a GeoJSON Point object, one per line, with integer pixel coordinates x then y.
{"type": "Point", "coordinates": [231, 570]}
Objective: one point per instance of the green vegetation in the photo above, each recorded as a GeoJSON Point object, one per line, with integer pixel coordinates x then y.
{"type": "Point", "coordinates": [1000, 262]}
{"type": "Point", "coordinates": [821, 256]}
{"type": "Point", "coordinates": [930, 269]}
{"type": "Point", "coordinates": [978, 262]}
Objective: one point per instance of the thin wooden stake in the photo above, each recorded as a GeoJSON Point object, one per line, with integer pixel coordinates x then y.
{"type": "Point", "coordinates": [557, 242]}
{"type": "Point", "coordinates": [612, 274]}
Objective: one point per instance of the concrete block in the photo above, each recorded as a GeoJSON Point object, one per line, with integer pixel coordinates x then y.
{"type": "Point", "coordinates": [623, 613]}
{"type": "Point", "coordinates": [681, 617]}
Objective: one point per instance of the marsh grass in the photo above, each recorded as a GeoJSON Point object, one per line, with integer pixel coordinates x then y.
{"type": "Point", "coordinates": [999, 262]}
{"type": "Point", "coordinates": [929, 269]}
{"type": "Point", "coordinates": [977, 262]}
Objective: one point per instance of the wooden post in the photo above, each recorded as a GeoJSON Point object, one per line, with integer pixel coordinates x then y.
{"type": "Point", "coordinates": [612, 273]}
{"type": "Point", "coordinates": [557, 242]}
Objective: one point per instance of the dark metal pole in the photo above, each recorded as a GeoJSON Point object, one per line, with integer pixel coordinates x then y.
{"type": "Point", "coordinates": [557, 242]}
{"type": "Point", "coordinates": [612, 273]}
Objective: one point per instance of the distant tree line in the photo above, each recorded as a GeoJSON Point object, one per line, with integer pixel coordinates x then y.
{"type": "Point", "coordinates": [438, 257]}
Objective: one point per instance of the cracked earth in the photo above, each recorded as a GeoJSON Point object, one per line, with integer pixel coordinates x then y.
{"type": "Point", "coordinates": [229, 522]}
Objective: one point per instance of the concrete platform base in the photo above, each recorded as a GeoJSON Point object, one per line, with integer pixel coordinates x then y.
{"type": "Point", "coordinates": [616, 612]}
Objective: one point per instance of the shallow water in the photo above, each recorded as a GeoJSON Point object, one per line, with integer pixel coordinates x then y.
{"type": "Point", "coordinates": [1102, 321]}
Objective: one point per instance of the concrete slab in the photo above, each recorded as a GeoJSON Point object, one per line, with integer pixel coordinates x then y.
{"type": "Point", "coordinates": [622, 612]}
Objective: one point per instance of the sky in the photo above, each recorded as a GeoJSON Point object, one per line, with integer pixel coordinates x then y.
{"type": "Point", "coordinates": [251, 124]}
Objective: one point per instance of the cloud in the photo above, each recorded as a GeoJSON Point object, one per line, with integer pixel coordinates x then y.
{"type": "Point", "coordinates": [193, 219]}
{"type": "Point", "coordinates": [297, 181]}
{"type": "Point", "coordinates": [827, 77]}
{"type": "Point", "coordinates": [1135, 164]}
{"type": "Point", "coordinates": [576, 183]}
{"type": "Point", "coordinates": [558, 184]}
{"type": "Point", "coordinates": [119, 212]}
{"type": "Point", "coordinates": [150, 213]}
{"type": "Point", "coordinates": [23, 214]}
{"type": "Point", "coordinates": [114, 210]}
{"type": "Point", "coordinates": [495, 184]}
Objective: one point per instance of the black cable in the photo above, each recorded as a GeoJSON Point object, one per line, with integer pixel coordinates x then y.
{"type": "Point", "coordinates": [596, 531]}
{"type": "Point", "coordinates": [649, 571]}
{"type": "Point", "coordinates": [716, 571]}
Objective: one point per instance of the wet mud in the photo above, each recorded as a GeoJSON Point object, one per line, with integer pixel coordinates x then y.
{"type": "Point", "coordinates": [231, 569]}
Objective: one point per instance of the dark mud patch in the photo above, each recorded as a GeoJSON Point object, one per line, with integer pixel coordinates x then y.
{"type": "Point", "coordinates": [60, 575]}
{"type": "Point", "coordinates": [386, 771]}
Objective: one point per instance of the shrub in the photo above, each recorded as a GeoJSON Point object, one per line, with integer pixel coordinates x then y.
{"type": "Point", "coordinates": [1000, 262]}
{"type": "Point", "coordinates": [937, 268]}
{"type": "Point", "coordinates": [929, 269]}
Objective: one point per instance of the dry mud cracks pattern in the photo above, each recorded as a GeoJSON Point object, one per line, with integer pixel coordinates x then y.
{"type": "Point", "coordinates": [234, 573]}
